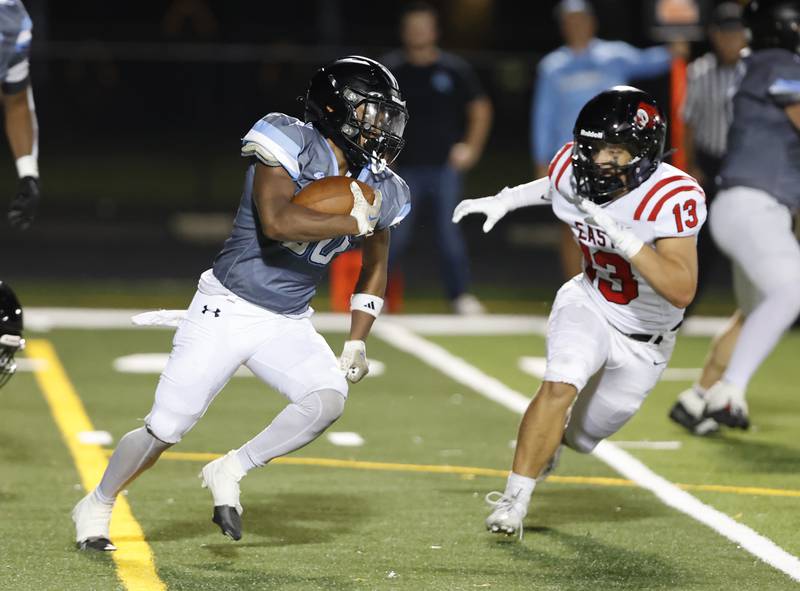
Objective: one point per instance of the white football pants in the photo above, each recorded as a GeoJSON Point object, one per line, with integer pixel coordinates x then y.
{"type": "Point", "coordinates": [612, 372]}
{"type": "Point", "coordinates": [220, 332]}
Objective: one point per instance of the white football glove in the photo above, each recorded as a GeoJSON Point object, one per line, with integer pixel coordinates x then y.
{"type": "Point", "coordinates": [625, 241]}
{"type": "Point", "coordinates": [492, 207]}
{"type": "Point", "coordinates": [353, 361]}
{"type": "Point", "coordinates": [366, 215]}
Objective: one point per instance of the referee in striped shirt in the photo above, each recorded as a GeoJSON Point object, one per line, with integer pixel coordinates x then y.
{"type": "Point", "coordinates": [707, 114]}
{"type": "Point", "coordinates": [707, 110]}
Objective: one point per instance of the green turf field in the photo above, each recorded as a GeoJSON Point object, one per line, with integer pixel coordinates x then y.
{"type": "Point", "coordinates": [395, 522]}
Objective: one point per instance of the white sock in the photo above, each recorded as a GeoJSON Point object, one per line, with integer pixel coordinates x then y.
{"type": "Point", "coordinates": [699, 390]}
{"type": "Point", "coordinates": [101, 498]}
{"type": "Point", "coordinates": [520, 487]}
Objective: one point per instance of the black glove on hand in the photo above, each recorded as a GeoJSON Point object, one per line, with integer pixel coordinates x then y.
{"type": "Point", "coordinates": [23, 207]}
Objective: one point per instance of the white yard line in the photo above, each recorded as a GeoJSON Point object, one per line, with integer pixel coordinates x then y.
{"type": "Point", "coordinates": [44, 319]}
{"type": "Point", "coordinates": [622, 462]}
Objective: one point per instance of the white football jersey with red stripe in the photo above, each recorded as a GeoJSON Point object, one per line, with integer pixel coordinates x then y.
{"type": "Point", "coordinates": [670, 204]}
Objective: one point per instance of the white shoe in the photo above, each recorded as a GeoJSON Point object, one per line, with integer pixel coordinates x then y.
{"type": "Point", "coordinates": [507, 514]}
{"type": "Point", "coordinates": [689, 412]}
{"type": "Point", "coordinates": [468, 305]}
{"type": "Point", "coordinates": [222, 478]}
{"type": "Point", "coordinates": [92, 518]}
{"type": "Point", "coordinates": [725, 404]}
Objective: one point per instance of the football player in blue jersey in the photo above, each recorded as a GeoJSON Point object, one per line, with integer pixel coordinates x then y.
{"type": "Point", "coordinates": [751, 218]}
{"type": "Point", "coordinates": [19, 114]}
{"type": "Point", "coordinates": [252, 307]}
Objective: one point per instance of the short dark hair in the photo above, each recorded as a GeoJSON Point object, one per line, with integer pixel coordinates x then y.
{"type": "Point", "coordinates": [413, 7]}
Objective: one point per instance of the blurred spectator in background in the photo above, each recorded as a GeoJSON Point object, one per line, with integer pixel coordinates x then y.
{"type": "Point", "coordinates": [20, 117]}
{"type": "Point", "coordinates": [450, 120]}
{"type": "Point", "coordinates": [707, 113]}
{"type": "Point", "coordinates": [571, 75]}
{"type": "Point", "coordinates": [707, 109]}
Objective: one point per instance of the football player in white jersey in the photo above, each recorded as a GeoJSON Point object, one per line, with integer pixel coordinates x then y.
{"type": "Point", "coordinates": [612, 328]}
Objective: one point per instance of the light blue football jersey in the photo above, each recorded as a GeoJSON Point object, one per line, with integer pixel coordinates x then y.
{"type": "Point", "coordinates": [283, 276]}
{"type": "Point", "coordinates": [15, 41]}
{"type": "Point", "coordinates": [763, 144]}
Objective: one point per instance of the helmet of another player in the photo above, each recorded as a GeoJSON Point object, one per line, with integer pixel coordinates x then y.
{"type": "Point", "coordinates": [356, 102]}
{"type": "Point", "coordinates": [11, 339]}
{"type": "Point", "coordinates": [619, 142]}
{"type": "Point", "coordinates": [774, 24]}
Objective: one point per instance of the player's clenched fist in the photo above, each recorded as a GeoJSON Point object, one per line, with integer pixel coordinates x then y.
{"type": "Point", "coordinates": [366, 215]}
{"type": "Point", "coordinates": [23, 206]}
{"type": "Point", "coordinates": [353, 361]}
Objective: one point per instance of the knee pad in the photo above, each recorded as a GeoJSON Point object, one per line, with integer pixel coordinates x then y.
{"type": "Point", "coordinates": [580, 442]}
{"type": "Point", "coordinates": [168, 426]}
{"type": "Point", "coordinates": [328, 403]}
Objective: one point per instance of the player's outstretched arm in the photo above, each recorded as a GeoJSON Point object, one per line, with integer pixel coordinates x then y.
{"type": "Point", "coordinates": [366, 303]}
{"type": "Point", "coordinates": [283, 220]}
{"type": "Point", "coordinates": [509, 199]}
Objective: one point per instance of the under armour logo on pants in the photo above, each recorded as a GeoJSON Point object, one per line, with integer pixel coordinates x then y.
{"type": "Point", "coordinates": [214, 312]}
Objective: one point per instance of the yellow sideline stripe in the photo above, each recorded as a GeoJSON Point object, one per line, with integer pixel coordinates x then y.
{"type": "Point", "coordinates": [134, 559]}
{"type": "Point", "coordinates": [468, 470]}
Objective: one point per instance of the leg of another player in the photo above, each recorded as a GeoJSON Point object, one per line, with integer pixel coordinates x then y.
{"type": "Point", "coordinates": [301, 366]}
{"type": "Point", "coordinates": [538, 440]}
{"type": "Point", "coordinates": [296, 426]}
{"type": "Point", "coordinates": [542, 428]}
{"type": "Point", "coordinates": [199, 366]}
{"type": "Point", "coordinates": [137, 451]}
{"type": "Point", "coordinates": [688, 410]}
{"type": "Point", "coordinates": [760, 333]}
{"type": "Point", "coordinates": [720, 353]}
{"type": "Point", "coordinates": [766, 261]}
{"type": "Point", "coordinates": [403, 233]}
{"type": "Point", "coordinates": [454, 262]}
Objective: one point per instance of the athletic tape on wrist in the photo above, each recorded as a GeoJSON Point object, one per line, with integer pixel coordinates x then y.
{"type": "Point", "coordinates": [368, 303]}
{"type": "Point", "coordinates": [27, 166]}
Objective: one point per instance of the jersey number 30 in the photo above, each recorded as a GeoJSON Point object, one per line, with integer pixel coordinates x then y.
{"type": "Point", "coordinates": [323, 251]}
{"type": "Point", "coordinates": [622, 272]}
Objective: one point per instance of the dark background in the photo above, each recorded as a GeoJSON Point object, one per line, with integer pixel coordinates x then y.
{"type": "Point", "coordinates": [141, 107]}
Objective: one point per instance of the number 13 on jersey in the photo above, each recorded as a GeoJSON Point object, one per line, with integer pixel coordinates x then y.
{"type": "Point", "coordinates": [616, 280]}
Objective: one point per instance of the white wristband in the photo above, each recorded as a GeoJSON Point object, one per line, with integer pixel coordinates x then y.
{"type": "Point", "coordinates": [27, 166]}
{"type": "Point", "coordinates": [367, 303]}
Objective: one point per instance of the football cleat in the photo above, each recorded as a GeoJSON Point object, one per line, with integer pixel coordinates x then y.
{"type": "Point", "coordinates": [222, 478]}
{"type": "Point", "coordinates": [725, 404]}
{"type": "Point", "coordinates": [228, 520]}
{"type": "Point", "coordinates": [688, 413]}
{"type": "Point", "coordinates": [92, 518]}
{"type": "Point", "coordinates": [507, 514]}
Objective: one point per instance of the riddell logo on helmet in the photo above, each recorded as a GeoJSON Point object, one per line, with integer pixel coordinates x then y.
{"type": "Point", "coordinates": [598, 135]}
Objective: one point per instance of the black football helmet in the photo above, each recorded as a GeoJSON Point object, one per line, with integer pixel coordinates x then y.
{"type": "Point", "coordinates": [773, 24]}
{"type": "Point", "coordinates": [11, 339]}
{"type": "Point", "coordinates": [356, 102]}
{"type": "Point", "coordinates": [623, 116]}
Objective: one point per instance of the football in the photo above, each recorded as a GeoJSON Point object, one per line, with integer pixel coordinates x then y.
{"type": "Point", "coordinates": [331, 195]}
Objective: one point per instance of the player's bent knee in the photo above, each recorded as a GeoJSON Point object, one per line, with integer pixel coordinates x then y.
{"type": "Point", "coordinates": [558, 392]}
{"type": "Point", "coordinates": [168, 426]}
{"type": "Point", "coordinates": [331, 405]}
{"type": "Point", "coordinates": [580, 442]}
